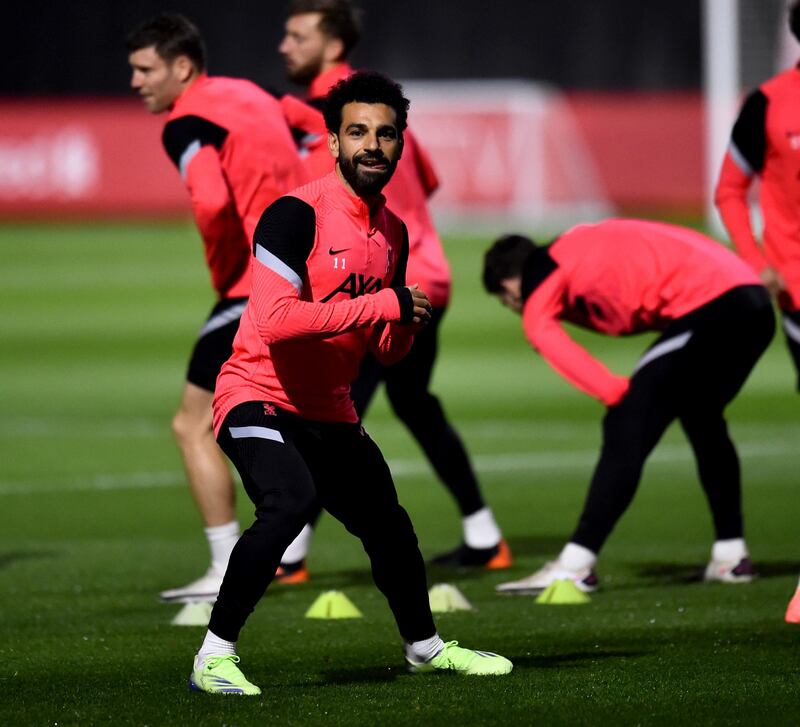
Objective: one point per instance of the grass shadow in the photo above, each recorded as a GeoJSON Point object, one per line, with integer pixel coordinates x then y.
{"type": "Point", "coordinates": [674, 573]}
{"type": "Point", "coordinates": [574, 659]}
{"type": "Point", "coordinates": [369, 675]}
{"type": "Point", "coordinates": [685, 573]}
{"type": "Point", "coordinates": [16, 556]}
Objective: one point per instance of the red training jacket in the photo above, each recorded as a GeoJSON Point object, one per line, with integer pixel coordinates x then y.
{"type": "Point", "coordinates": [620, 277]}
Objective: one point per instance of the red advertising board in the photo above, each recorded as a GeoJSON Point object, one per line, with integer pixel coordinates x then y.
{"type": "Point", "coordinates": [85, 158]}
{"type": "Point", "coordinates": [501, 149]}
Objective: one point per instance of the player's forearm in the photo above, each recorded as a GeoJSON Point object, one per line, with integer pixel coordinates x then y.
{"type": "Point", "coordinates": [281, 315]}
{"type": "Point", "coordinates": [730, 198]}
{"type": "Point", "coordinates": [575, 364]}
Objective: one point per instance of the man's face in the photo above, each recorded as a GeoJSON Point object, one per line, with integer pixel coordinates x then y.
{"type": "Point", "coordinates": [158, 82]}
{"type": "Point", "coordinates": [367, 147]}
{"type": "Point", "coordinates": [511, 295]}
{"type": "Point", "coordinates": [305, 48]}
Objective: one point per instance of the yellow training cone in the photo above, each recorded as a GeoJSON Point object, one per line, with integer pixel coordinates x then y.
{"type": "Point", "coordinates": [445, 598]}
{"type": "Point", "coordinates": [333, 604]}
{"type": "Point", "coordinates": [561, 593]}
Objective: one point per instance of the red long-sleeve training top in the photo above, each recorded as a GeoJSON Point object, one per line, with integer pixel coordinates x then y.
{"type": "Point", "coordinates": [619, 277]}
{"type": "Point", "coordinates": [327, 285]}
{"type": "Point", "coordinates": [235, 152]}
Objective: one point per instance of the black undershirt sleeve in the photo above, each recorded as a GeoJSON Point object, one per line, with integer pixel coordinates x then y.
{"type": "Point", "coordinates": [179, 135]}
{"type": "Point", "coordinates": [749, 135]}
{"type": "Point", "coordinates": [287, 229]}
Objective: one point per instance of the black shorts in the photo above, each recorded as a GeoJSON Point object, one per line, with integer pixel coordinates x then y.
{"type": "Point", "coordinates": [215, 343]}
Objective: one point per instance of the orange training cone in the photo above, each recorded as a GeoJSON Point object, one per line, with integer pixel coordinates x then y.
{"type": "Point", "coordinates": [793, 610]}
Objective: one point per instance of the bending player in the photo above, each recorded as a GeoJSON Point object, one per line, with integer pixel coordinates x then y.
{"type": "Point", "coordinates": [282, 410]}
{"type": "Point", "coordinates": [622, 277]}
{"type": "Point", "coordinates": [236, 155]}
{"type": "Point", "coordinates": [320, 35]}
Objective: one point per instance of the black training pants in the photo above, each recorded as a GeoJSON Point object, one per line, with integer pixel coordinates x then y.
{"type": "Point", "coordinates": [408, 390]}
{"type": "Point", "coordinates": [692, 371]}
{"type": "Point", "coordinates": [286, 465]}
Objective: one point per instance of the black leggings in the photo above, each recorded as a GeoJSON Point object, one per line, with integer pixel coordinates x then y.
{"type": "Point", "coordinates": [694, 369]}
{"type": "Point", "coordinates": [408, 389]}
{"type": "Point", "coordinates": [287, 464]}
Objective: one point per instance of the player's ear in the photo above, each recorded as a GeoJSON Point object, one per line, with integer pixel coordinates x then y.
{"type": "Point", "coordinates": [333, 51]}
{"type": "Point", "coordinates": [333, 144]}
{"type": "Point", "coordinates": [183, 67]}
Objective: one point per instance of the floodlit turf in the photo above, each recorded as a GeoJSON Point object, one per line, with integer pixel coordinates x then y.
{"type": "Point", "coordinates": [96, 323]}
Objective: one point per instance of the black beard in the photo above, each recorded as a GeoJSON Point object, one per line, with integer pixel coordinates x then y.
{"type": "Point", "coordinates": [365, 185]}
{"type": "Point", "coordinates": [303, 76]}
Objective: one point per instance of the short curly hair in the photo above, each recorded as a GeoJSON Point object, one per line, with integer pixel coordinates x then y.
{"type": "Point", "coordinates": [365, 87]}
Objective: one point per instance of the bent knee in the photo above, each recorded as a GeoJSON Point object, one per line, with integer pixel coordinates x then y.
{"type": "Point", "coordinates": [188, 426]}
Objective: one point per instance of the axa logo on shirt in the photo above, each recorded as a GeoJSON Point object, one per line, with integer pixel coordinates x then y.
{"type": "Point", "coordinates": [356, 284]}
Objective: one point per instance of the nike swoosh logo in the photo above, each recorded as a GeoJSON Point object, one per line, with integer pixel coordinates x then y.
{"type": "Point", "coordinates": [331, 251]}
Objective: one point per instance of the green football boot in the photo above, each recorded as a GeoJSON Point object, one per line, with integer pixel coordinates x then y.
{"type": "Point", "coordinates": [220, 675]}
{"type": "Point", "coordinates": [464, 661]}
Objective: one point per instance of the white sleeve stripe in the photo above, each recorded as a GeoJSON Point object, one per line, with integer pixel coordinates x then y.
{"type": "Point", "coordinates": [740, 161]}
{"type": "Point", "coordinates": [663, 348]}
{"type": "Point", "coordinates": [792, 329]}
{"type": "Point", "coordinates": [187, 156]}
{"type": "Point", "coordinates": [274, 263]}
{"type": "Point", "coordinates": [256, 433]}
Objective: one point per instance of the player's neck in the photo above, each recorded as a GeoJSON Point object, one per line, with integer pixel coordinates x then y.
{"type": "Point", "coordinates": [373, 202]}
{"type": "Point", "coordinates": [188, 84]}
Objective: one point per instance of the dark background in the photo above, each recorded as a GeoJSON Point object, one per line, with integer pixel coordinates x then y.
{"type": "Point", "coordinates": [78, 48]}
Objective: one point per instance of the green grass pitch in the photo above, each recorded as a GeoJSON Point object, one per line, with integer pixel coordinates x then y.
{"type": "Point", "coordinates": [96, 323]}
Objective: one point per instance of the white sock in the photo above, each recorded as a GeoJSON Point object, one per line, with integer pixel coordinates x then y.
{"type": "Point", "coordinates": [576, 558]}
{"type": "Point", "coordinates": [213, 645]}
{"type": "Point", "coordinates": [221, 539]}
{"type": "Point", "coordinates": [732, 550]}
{"type": "Point", "coordinates": [480, 529]}
{"type": "Point", "coordinates": [298, 548]}
{"type": "Point", "coordinates": [421, 651]}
